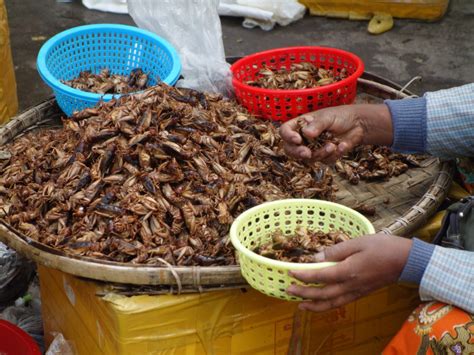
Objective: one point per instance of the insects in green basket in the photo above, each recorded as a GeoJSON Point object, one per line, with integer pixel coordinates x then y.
{"type": "Point", "coordinates": [301, 246]}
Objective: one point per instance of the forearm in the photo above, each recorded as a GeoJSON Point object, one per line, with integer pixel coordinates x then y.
{"type": "Point", "coordinates": [445, 275]}
{"type": "Point", "coordinates": [376, 122]}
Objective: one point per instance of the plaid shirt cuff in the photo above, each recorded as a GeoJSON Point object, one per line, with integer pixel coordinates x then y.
{"type": "Point", "coordinates": [409, 125]}
{"type": "Point", "coordinates": [418, 260]}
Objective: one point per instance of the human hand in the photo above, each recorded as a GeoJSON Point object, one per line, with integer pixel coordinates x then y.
{"type": "Point", "coordinates": [365, 264]}
{"type": "Point", "coordinates": [352, 125]}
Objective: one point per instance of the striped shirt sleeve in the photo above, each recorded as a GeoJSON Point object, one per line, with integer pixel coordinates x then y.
{"type": "Point", "coordinates": [442, 124]}
{"type": "Point", "coordinates": [450, 122]}
{"type": "Point", "coordinates": [449, 278]}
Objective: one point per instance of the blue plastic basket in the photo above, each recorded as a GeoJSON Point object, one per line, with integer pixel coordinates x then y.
{"type": "Point", "coordinates": [119, 48]}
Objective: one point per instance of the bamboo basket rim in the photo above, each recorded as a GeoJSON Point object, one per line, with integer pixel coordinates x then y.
{"type": "Point", "coordinates": [198, 278]}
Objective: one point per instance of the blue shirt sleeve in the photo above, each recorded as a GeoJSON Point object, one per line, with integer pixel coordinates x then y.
{"type": "Point", "coordinates": [418, 260]}
{"type": "Point", "coordinates": [409, 125]}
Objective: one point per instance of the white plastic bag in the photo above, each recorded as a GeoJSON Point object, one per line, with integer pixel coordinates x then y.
{"type": "Point", "coordinates": [263, 13]}
{"type": "Point", "coordinates": [284, 11]}
{"type": "Point", "coordinates": [193, 27]}
{"type": "Point", "coordinates": [232, 8]}
{"type": "Point", "coordinates": [116, 6]}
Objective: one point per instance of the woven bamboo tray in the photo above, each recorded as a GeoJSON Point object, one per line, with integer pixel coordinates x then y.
{"type": "Point", "coordinates": [414, 197]}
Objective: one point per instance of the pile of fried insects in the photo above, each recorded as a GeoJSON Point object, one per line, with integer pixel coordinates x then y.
{"type": "Point", "coordinates": [153, 178]}
{"type": "Point", "coordinates": [158, 177]}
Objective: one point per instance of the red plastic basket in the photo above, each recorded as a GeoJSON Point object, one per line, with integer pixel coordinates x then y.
{"type": "Point", "coordinates": [282, 105]}
{"type": "Point", "coordinates": [14, 341]}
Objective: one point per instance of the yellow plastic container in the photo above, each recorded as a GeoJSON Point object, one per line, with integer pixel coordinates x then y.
{"type": "Point", "coordinates": [430, 10]}
{"type": "Point", "coordinates": [241, 321]}
{"type": "Point", "coordinates": [8, 97]}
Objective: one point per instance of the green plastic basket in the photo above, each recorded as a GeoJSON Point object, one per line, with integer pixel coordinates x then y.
{"type": "Point", "coordinates": [254, 227]}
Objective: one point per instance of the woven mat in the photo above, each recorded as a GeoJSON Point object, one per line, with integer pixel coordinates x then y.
{"type": "Point", "coordinates": [401, 192]}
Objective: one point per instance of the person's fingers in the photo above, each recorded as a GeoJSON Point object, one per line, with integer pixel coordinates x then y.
{"type": "Point", "coordinates": [319, 293]}
{"type": "Point", "coordinates": [326, 151]}
{"type": "Point", "coordinates": [343, 148]}
{"type": "Point", "coordinates": [316, 123]}
{"type": "Point", "coordinates": [289, 132]}
{"type": "Point", "coordinates": [332, 159]}
{"type": "Point", "coordinates": [297, 151]}
{"type": "Point", "coordinates": [340, 251]}
{"type": "Point", "coordinates": [349, 141]}
{"type": "Point", "coordinates": [332, 274]}
{"type": "Point", "coordinates": [328, 275]}
{"type": "Point", "coordinates": [320, 306]}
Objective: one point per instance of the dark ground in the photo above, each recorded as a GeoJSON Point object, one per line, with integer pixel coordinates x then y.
{"type": "Point", "coordinates": [442, 52]}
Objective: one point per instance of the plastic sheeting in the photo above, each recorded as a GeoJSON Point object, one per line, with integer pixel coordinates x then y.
{"type": "Point", "coordinates": [263, 13]}
{"type": "Point", "coordinates": [220, 322]}
{"type": "Point", "coordinates": [15, 275]}
{"type": "Point", "coordinates": [194, 29]}
{"type": "Point", "coordinates": [8, 97]}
